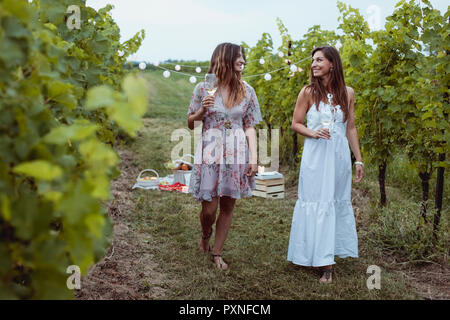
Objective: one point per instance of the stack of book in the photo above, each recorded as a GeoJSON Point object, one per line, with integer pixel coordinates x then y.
{"type": "Point", "coordinates": [269, 185]}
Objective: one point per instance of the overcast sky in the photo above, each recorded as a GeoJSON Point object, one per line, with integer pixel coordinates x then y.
{"type": "Point", "coordinates": [190, 30]}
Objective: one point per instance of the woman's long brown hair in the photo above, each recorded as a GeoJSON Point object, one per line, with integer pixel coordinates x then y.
{"type": "Point", "coordinates": [222, 64]}
{"type": "Point", "coordinates": [337, 82]}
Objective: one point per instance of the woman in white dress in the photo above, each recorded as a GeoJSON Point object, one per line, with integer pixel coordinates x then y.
{"type": "Point", "coordinates": [323, 222]}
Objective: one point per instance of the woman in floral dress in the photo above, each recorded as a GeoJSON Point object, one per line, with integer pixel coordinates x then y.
{"type": "Point", "coordinates": [226, 158]}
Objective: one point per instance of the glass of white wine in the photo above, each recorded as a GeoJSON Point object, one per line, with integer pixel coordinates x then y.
{"type": "Point", "coordinates": [326, 117]}
{"type": "Point", "coordinates": [210, 85]}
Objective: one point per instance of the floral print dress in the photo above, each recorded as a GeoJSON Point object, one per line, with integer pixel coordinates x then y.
{"type": "Point", "coordinates": [222, 153]}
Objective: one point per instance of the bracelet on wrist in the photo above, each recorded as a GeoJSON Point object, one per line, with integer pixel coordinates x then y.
{"type": "Point", "coordinates": [359, 162]}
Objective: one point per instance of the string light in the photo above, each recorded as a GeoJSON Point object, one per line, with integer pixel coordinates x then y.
{"type": "Point", "coordinates": [280, 54]}
{"type": "Point", "coordinates": [267, 75]}
{"type": "Point", "coordinates": [142, 65]}
{"type": "Point", "coordinates": [199, 70]}
{"type": "Point", "coordinates": [181, 65]}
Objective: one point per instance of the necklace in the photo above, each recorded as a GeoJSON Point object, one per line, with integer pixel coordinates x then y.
{"type": "Point", "coordinates": [227, 123]}
{"type": "Point", "coordinates": [333, 108]}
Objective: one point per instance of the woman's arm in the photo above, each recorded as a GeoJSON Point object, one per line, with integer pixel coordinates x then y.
{"type": "Point", "coordinates": [250, 134]}
{"type": "Point", "coordinates": [301, 108]}
{"type": "Point", "coordinates": [352, 134]}
{"type": "Point", "coordinates": [196, 116]}
{"type": "Point", "coordinates": [200, 113]}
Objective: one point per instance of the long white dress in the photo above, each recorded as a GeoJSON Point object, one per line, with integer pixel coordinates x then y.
{"type": "Point", "coordinates": [323, 223]}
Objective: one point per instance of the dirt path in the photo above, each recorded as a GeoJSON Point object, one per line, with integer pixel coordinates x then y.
{"type": "Point", "coordinates": [127, 270]}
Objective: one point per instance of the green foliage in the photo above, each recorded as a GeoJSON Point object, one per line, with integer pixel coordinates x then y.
{"type": "Point", "coordinates": [403, 92]}
{"type": "Point", "coordinates": [278, 101]}
{"type": "Point", "coordinates": [400, 75]}
{"type": "Point", "coordinates": [63, 95]}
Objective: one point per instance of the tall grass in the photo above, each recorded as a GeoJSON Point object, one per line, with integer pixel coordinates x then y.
{"type": "Point", "coordinates": [399, 228]}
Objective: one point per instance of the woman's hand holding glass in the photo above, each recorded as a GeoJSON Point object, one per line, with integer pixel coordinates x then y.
{"type": "Point", "coordinates": [326, 117]}
{"type": "Point", "coordinates": [322, 133]}
{"type": "Point", "coordinates": [211, 89]}
{"type": "Point", "coordinates": [208, 102]}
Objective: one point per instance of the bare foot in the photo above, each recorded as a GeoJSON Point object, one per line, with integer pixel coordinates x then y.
{"type": "Point", "coordinates": [219, 262]}
{"type": "Point", "coordinates": [204, 243]}
{"type": "Point", "coordinates": [327, 275]}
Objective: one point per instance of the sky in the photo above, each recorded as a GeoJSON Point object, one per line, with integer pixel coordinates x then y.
{"type": "Point", "coordinates": [191, 29]}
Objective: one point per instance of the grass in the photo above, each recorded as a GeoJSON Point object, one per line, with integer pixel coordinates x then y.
{"type": "Point", "coordinates": [398, 228]}
{"type": "Point", "coordinates": [169, 97]}
{"type": "Point", "coordinates": [256, 247]}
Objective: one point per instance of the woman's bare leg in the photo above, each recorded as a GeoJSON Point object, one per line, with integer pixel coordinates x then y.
{"type": "Point", "coordinates": [223, 224]}
{"type": "Point", "coordinates": [207, 219]}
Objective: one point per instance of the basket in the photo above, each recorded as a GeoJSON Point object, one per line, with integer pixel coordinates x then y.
{"type": "Point", "coordinates": [147, 183]}
{"type": "Point", "coordinates": [183, 176]}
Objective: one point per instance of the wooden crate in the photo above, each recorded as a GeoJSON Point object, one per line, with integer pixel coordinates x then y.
{"type": "Point", "coordinates": [269, 188]}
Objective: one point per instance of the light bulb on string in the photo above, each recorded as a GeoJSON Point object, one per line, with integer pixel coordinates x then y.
{"type": "Point", "coordinates": [292, 68]}
{"type": "Point", "coordinates": [121, 53]}
{"type": "Point", "coordinates": [142, 65]}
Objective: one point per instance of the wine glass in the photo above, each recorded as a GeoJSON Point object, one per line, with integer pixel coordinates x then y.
{"type": "Point", "coordinates": [210, 85]}
{"type": "Point", "coordinates": [326, 117]}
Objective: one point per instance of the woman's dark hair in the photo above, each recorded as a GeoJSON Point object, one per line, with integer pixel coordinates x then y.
{"type": "Point", "coordinates": [337, 82]}
{"type": "Point", "coordinates": [222, 64]}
